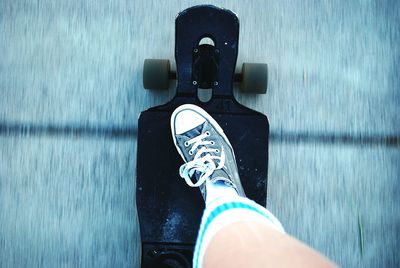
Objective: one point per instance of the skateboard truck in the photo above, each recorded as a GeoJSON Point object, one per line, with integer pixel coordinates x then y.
{"type": "Point", "coordinates": [169, 211]}
{"type": "Point", "coordinates": [199, 64]}
{"type": "Point", "coordinates": [205, 66]}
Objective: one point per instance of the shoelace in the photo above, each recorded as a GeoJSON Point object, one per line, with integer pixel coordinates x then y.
{"type": "Point", "coordinates": [203, 162]}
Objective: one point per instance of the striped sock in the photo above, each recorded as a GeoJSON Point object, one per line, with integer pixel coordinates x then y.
{"type": "Point", "coordinates": [224, 211]}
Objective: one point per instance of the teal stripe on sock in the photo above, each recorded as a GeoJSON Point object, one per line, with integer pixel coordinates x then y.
{"type": "Point", "coordinates": [216, 212]}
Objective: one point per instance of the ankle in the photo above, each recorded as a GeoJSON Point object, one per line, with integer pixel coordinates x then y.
{"type": "Point", "coordinates": [218, 189]}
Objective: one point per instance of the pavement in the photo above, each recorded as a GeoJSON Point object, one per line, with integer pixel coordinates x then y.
{"type": "Point", "coordinates": [71, 92]}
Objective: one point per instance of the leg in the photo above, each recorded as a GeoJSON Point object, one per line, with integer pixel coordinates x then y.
{"type": "Point", "coordinates": [234, 231]}
{"type": "Point", "coordinates": [259, 245]}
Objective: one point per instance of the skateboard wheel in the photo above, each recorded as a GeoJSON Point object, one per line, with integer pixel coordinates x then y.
{"type": "Point", "coordinates": [254, 78]}
{"type": "Point", "coordinates": [156, 74]}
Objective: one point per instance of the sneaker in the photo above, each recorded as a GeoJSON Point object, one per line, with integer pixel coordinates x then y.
{"type": "Point", "coordinates": [207, 152]}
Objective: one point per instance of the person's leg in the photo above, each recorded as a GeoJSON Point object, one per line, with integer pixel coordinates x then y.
{"type": "Point", "coordinates": [234, 231]}
{"type": "Point", "coordinates": [226, 211]}
{"type": "Point", "coordinates": [249, 244]}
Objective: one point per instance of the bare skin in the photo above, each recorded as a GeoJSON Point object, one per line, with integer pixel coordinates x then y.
{"type": "Point", "coordinates": [248, 244]}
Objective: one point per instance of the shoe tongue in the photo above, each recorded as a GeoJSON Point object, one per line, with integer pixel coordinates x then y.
{"type": "Point", "coordinates": [194, 132]}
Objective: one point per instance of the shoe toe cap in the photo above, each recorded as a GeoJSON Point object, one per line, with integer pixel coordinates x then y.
{"type": "Point", "coordinates": [186, 120]}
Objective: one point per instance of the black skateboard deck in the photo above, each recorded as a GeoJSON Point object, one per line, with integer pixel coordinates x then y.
{"type": "Point", "coordinates": [169, 210]}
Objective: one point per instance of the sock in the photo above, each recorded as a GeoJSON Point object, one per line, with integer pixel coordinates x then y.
{"type": "Point", "coordinates": [223, 211]}
{"type": "Point", "coordinates": [217, 190]}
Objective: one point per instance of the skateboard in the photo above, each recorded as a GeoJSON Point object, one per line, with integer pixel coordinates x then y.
{"type": "Point", "coordinates": [170, 211]}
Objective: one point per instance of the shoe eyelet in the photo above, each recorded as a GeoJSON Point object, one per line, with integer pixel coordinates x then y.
{"type": "Point", "coordinates": [212, 142]}
{"type": "Point", "coordinates": [208, 133]}
{"type": "Point", "coordinates": [190, 152]}
{"type": "Point", "coordinates": [186, 144]}
{"type": "Point", "coordinates": [216, 150]}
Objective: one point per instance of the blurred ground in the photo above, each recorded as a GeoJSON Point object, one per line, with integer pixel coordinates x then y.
{"type": "Point", "coordinates": [71, 93]}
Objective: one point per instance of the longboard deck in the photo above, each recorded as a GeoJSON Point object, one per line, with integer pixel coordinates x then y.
{"type": "Point", "coordinates": [169, 210]}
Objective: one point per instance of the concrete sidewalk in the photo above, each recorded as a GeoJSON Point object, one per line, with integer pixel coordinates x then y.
{"type": "Point", "coordinates": [71, 93]}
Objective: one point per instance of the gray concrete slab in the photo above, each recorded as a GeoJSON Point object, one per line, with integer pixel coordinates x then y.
{"type": "Point", "coordinates": [67, 202]}
{"type": "Point", "coordinates": [323, 194]}
{"type": "Point", "coordinates": [333, 66]}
